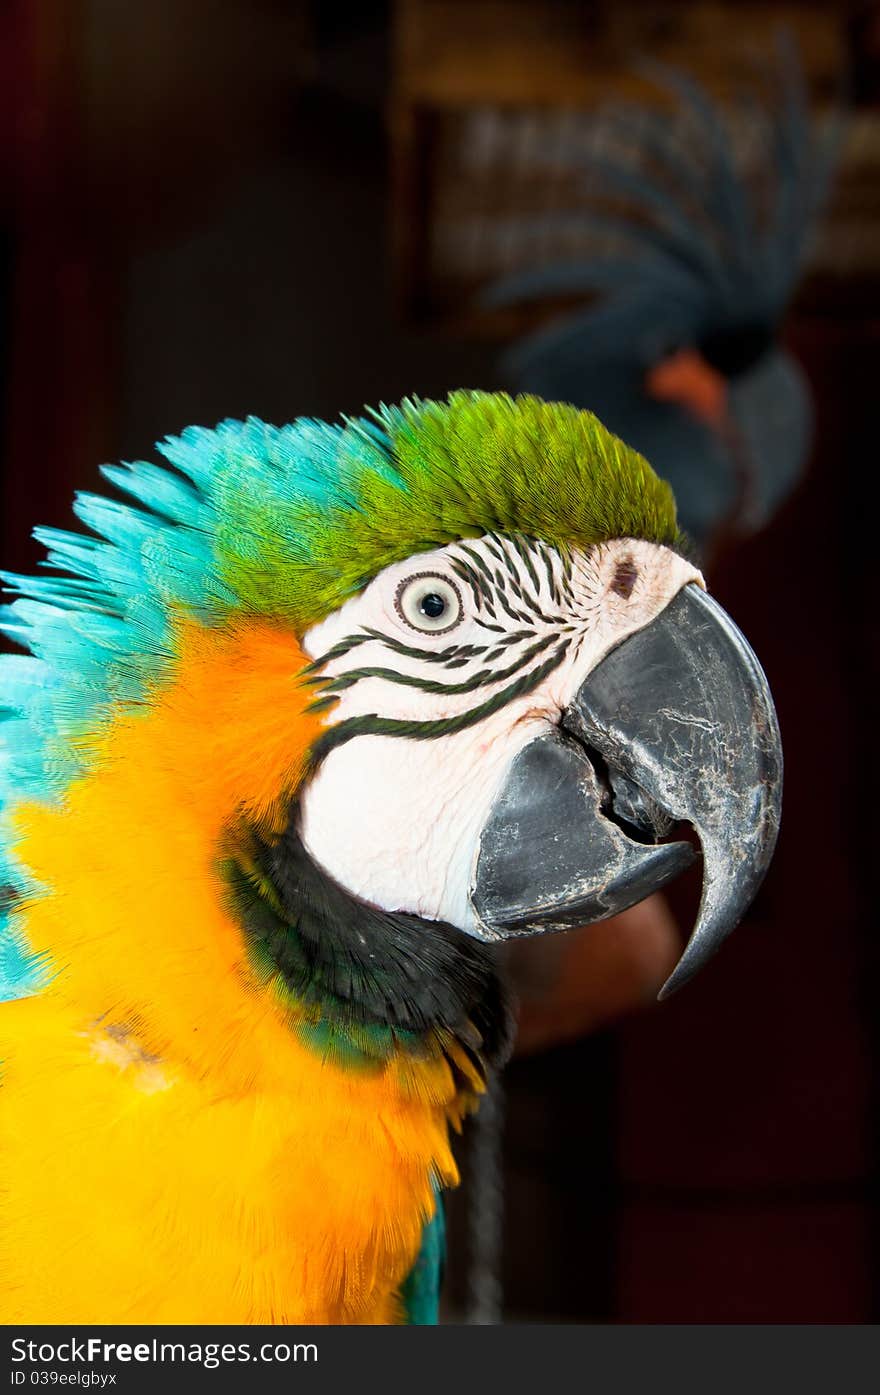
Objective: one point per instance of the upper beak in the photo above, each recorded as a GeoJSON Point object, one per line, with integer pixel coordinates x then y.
{"type": "Point", "coordinates": [675, 724]}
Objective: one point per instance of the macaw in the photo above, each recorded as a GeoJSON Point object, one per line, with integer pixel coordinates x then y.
{"type": "Point", "coordinates": [304, 734]}
{"type": "Point", "coordinates": [689, 277]}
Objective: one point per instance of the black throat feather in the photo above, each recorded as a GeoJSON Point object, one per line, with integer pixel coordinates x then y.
{"type": "Point", "coordinates": [362, 982]}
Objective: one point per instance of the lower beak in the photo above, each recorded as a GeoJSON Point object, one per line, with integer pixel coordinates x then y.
{"type": "Point", "coordinates": [675, 725]}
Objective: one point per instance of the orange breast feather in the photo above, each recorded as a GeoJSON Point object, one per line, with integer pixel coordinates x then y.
{"type": "Point", "coordinates": [171, 1151]}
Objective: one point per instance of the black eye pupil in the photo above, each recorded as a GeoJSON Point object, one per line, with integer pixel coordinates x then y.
{"type": "Point", "coordinates": [432, 606]}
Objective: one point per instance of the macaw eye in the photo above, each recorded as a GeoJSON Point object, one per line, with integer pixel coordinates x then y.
{"type": "Point", "coordinates": [428, 603]}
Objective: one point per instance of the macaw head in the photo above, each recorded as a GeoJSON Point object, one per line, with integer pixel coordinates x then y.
{"type": "Point", "coordinates": [494, 677]}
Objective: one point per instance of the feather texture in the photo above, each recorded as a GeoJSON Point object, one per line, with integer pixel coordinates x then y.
{"type": "Point", "coordinates": [209, 1112]}
{"type": "Point", "coordinates": [690, 253]}
{"type": "Point", "coordinates": [280, 522]}
{"type": "Point", "coordinates": [153, 1076]}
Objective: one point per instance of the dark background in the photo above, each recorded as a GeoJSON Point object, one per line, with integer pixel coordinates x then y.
{"type": "Point", "coordinates": [212, 208]}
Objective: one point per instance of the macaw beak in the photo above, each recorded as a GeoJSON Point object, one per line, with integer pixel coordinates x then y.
{"type": "Point", "coordinates": [674, 725]}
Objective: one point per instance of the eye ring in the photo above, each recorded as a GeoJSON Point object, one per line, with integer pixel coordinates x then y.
{"type": "Point", "coordinates": [429, 603]}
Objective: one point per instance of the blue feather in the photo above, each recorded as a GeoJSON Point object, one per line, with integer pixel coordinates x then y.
{"type": "Point", "coordinates": [421, 1291]}
{"type": "Point", "coordinates": [663, 280]}
{"type": "Point", "coordinates": [102, 633]}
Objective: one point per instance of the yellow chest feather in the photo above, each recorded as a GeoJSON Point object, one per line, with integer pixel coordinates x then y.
{"type": "Point", "coordinates": [135, 1192]}
{"type": "Point", "coordinates": [171, 1150]}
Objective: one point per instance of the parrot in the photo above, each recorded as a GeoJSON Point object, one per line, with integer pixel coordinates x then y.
{"type": "Point", "coordinates": [690, 277]}
{"type": "Point", "coordinates": [306, 728]}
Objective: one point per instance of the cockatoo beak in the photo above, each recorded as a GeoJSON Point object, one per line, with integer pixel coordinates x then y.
{"type": "Point", "coordinates": [676, 724]}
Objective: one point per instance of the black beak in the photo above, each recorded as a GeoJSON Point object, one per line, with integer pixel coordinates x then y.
{"type": "Point", "coordinates": [674, 725]}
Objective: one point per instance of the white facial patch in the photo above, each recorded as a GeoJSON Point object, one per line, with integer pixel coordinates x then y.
{"type": "Point", "coordinates": [443, 668]}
